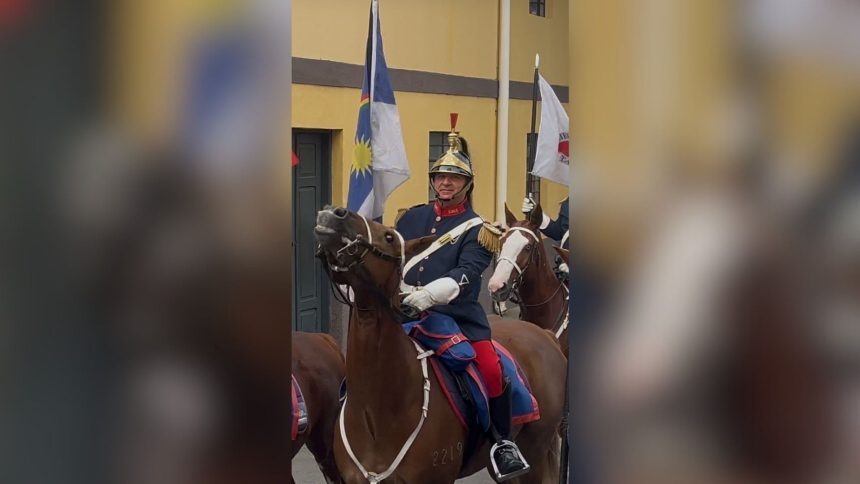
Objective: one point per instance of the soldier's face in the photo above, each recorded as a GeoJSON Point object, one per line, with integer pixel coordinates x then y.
{"type": "Point", "coordinates": [448, 185]}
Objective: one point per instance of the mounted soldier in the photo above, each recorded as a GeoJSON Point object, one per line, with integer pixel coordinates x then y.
{"type": "Point", "coordinates": [446, 278]}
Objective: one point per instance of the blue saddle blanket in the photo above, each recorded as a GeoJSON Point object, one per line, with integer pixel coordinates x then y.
{"type": "Point", "coordinates": [440, 333]}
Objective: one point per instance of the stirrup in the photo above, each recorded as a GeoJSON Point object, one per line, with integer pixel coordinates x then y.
{"type": "Point", "coordinates": [507, 443]}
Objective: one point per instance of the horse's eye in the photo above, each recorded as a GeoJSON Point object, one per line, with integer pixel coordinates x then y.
{"type": "Point", "coordinates": [528, 246]}
{"type": "Point", "coordinates": [389, 237]}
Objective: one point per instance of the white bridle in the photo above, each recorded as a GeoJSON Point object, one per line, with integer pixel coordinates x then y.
{"type": "Point", "coordinates": [513, 262]}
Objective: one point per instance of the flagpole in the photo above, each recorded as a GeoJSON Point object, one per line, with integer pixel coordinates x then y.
{"type": "Point", "coordinates": [532, 144]}
{"type": "Point", "coordinates": [374, 13]}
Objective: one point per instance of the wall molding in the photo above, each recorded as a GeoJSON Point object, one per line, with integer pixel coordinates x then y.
{"type": "Point", "coordinates": [317, 72]}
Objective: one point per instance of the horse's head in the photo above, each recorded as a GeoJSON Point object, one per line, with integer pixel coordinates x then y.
{"type": "Point", "coordinates": [520, 244]}
{"type": "Point", "coordinates": [361, 252]}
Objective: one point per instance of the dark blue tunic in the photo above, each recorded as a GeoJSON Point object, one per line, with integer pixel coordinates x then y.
{"type": "Point", "coordinates": [464, 260]}
{"type": "Point", "coordinates": [556, 229]}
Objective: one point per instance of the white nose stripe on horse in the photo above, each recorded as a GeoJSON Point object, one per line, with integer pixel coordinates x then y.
{"type": "Point", "coordinates": [512, 247]}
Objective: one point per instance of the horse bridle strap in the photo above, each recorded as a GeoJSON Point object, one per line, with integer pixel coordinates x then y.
{"type": "Point", "coordinates": [534, 236]}
{"type": "Point", "coordinates": [373, 477]}
{"type": "Point", "coordinates": [563, 326]}
{"type": "Point", "coordinates": [367, 245]}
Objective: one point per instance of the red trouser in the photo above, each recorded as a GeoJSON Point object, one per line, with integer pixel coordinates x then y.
{"type": "Point", "coordinates": [489, 365]}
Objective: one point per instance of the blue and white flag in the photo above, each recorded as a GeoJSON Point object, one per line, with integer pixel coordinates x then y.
{"type": "Point", "coordinates": [379, 162]}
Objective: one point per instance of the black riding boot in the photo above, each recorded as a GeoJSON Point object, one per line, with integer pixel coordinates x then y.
{"type": "Point", "coordinates": [505, 456]}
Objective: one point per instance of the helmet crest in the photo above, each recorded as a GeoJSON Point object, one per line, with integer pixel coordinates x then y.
{"type": "Point", "coordinates": [456, 159]}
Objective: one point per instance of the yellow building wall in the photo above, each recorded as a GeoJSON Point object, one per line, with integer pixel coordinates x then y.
{"type": "Point", "coordinates": [530, 35]}
{"type": "Point", "coordinates": [546, 36]}
{"type": "Point", "coordinates": [443, 36]}
{"type": "Point", "coordinates": [446, 36]}
{"type": "Point", "coordinates": [337, 109]}
{"type": "Point", "coordinates": [450, 37]}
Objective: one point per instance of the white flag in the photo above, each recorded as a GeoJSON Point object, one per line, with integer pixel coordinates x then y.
{"type": "Point", "coordinates": [552, 159]}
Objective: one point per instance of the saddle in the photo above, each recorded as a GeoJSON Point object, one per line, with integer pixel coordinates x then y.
{"type": "Point", "coordinates": [464, 388]}
{"type": "Point", "coordinates": [299, 410]}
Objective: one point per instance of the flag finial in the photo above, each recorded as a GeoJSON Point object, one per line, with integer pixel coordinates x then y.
{"type": "Point", "coordinates": [537, 60]}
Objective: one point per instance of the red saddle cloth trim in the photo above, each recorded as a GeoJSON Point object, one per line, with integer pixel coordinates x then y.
{"type": "Point", "coordinates": [534, 415]}
{"type": "Point", "coordinates": [295, 391]}
{"type": "Point", "coordinates": [472, 370]}
{"type": "Point", "coordinates": [457, 338]}
{"type": "Point", "coordinates": [440, 378]}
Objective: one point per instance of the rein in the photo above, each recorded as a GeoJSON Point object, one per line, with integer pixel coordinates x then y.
{"type": "Point", "coordinates": [564, 310]}
{"type": "Point", "coordinates": [351, 249]}
{"type": "Point", "coordinates": [373, 477]}
{"type": "Point", "coordinates": [518, 281]}
{"type": "Point", "coordinates": [519, 269]}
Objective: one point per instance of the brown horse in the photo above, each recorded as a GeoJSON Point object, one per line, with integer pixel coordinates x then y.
{"type": "Point", "coordinates": [318, 366]}
{"type": "Point", "coordinates": [524, 267]}
{"type": "Point", "coordinates": [382, 433]}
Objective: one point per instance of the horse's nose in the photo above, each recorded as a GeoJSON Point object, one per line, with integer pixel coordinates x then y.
{"type": "Point", "coordinates": [340, 212]}
{"type": "Point", "coordinates": [495, 286]}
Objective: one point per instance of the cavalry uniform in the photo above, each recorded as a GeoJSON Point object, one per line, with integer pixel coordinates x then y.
{"type": "Point", "coordinates": [558, 228]}
{"type": "Point", "coordinates": [446, 278]}
{"type": "Point", "coordinates": [462, 259]}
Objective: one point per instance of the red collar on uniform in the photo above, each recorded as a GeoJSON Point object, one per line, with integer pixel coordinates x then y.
{"type": "Point", "coordinates": [450, 211]}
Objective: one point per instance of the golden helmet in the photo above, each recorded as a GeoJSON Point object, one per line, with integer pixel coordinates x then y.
{"type": "Point", "coordinates": [456, 159]}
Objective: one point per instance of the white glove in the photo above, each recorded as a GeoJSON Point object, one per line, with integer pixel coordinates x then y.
{"type": "Point", "coordinates": [545, 220]}
{"type": "Point", "coordinates": [528, 205]}
{"type": "Point", "coordinates": [563, 268]}
{"type": "Point", "coordinates": [345, 289]}
{"type": "Point", "coordinates": [440, 291]}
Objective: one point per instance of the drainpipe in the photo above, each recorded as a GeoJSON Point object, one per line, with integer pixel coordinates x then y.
{"type": "Point", "coordinates": [502, 108]}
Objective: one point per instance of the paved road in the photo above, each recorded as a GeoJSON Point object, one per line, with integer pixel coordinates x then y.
{"type": "Point", "coordinates": [305, 471]}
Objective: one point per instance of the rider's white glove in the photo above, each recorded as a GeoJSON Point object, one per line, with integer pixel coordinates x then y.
{"type": "Point", "coordinates": [346, 289]}
{"type": "Point", "coordinates": [563, 268]}
{"type": "Point", "coordinates": [545, 220]}
{"type": "Point", "coordinates": [528, 205]}
{"type": "Point", "coordinates": [440, 291]}
{"type": "Point", "coordinates": [527, 208]}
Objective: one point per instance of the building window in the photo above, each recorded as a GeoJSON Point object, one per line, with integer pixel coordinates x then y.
{"type": "Point", "coordinates": [438, 146]}
{"type": "Point", "coordinates": [537, 7]}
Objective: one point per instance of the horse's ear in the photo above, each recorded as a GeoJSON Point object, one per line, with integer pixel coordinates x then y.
{"type": "Point", "coordinates": [536, 215]}
{"type": "Point", "coordinates": [564, 253]}
{"type": "Point", "coordinates": [414, 246]}
{"type": "Point", "coordinates": [510, 218]}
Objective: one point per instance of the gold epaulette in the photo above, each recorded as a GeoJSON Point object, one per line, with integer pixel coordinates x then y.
{"type": "Point", "coordinates": [490, 237]}
{"type": "Point", "coordinates": [401, 212]}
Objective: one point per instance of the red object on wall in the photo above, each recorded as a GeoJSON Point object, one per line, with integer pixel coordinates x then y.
{"type": "Point", "coordinates": [13, 12]}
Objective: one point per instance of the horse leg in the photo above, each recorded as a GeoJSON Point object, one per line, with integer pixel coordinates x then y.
{"type": "Point", "coordinates": [542, 454]}
{"type": "Point", "coordinates": [321, 446]}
